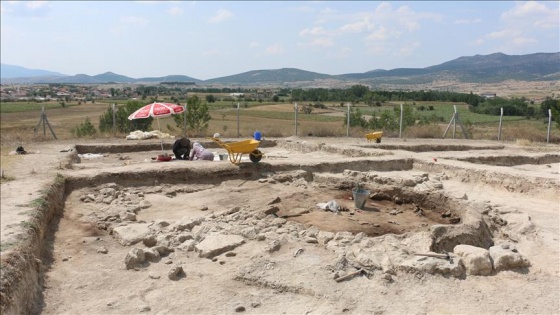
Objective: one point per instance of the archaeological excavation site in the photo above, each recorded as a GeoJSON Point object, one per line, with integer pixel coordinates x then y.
{"type": "Point", "coordinates": [317, 226]}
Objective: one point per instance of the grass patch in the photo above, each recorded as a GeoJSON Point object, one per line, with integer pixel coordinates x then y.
{"type": "Point", "coordinates": [14, 107]}
{"type": "Point", "coordinates": [445, 111]}
{"type": "Point", "coordinates": [423, 131]}
{"type": "Point", "coordinates": [39, 202]}
{"type": "Point", "coordinates": [28, 225]}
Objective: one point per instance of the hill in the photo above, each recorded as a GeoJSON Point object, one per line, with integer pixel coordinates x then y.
{"type": "Point", "coordinates": [475, 69]}
{"type": "Point", "coordinates": [10, 71]}
{"type": "Point", "coordinates": [491, 68]}
{"type": "Point", "coordinates": [270, 76]}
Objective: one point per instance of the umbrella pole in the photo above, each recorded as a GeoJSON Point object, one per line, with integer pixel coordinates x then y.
{"type": "Point", "coordinates": [160, 139]}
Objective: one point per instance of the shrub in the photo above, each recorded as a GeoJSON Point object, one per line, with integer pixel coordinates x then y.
{"type": "Point", "coordinates": [123, 124]}
{"type": "Point", "coordinates": [306, 109]}
{"type": "Point", "coordinates": [84, 129]}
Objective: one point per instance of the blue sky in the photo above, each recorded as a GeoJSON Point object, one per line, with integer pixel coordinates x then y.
{"type": "Point", "coordinates": [210, 39]}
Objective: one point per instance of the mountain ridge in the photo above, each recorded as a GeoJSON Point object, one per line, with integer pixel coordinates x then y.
{"type": "Point", "coordinates": [494, 67]}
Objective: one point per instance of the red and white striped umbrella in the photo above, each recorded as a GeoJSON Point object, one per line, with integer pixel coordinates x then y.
{"type": "Point", "coordinates": [157, 110]}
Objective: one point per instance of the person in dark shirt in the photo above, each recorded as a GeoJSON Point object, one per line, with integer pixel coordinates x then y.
{"type": "Point", "coordinates": [182, 148]}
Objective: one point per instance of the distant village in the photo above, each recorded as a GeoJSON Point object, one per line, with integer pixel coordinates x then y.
{"type": "Point", "coordinates": [91, 93]}
{"type": "Point", "coordinates": [118, 91]}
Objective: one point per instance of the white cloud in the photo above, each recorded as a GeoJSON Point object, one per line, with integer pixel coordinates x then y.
{"type": "Point", "coordinates": [498, 34]}
{"type": "Point", "coordinates": [390, 23]}
{"type": "Point", "coordinates": [32, 9]}
{"type": "Point", "coordinates": [357, 27]}
{"type": "Point", "coordinates": [380, 34]}
{"type": "Point", "coordinates": [221, 16]}
{"type": "Point", "coordinates": [316, 31]}
{"type": "Point", "coordinates": [383, 8]}
{"type": "Point", "coordinates": [276, 49]}
{"type": "Point", "coordinates": [525, 25]}
{"type": "Point", "coordinates": [253, 44]}
{"type": "Point", "coordinates": [524, 9]}
{"type": "Point", "coordinates": [532, 13]}
{"type": "Point", "coordinates": [175, 11]}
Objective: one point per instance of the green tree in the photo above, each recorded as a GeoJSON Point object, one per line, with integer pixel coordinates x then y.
{"type": "Point", "coordinates": [123, 124]}
{"type": "Point", "coordinates": [547, 104]}
{"type": "Point", "coordinates": [408, 115]}
{"type": "Point", "coordinates": [198, 116]}
{"type": "Point", "coordinates": [210, 98]}
{"type": "Point", "coordinates": [388, 121]}
{"type": "Point", "coordinates": [554, 106]}
{"type": "Point", "coordinates": [359, 91]}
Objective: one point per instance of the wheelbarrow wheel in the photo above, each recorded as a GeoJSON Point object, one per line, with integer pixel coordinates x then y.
{"type": "Point", "coordinates": [378, 140]}
{"type": "Point", "coordinates": [255, 156]}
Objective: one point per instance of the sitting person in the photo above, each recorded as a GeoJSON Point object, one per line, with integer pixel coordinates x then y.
{"type": "Point", "coordinates": [20, 150]}
{"type": "Point", "coordinates": [182, 148]}
{"type": "Point", "coordinates": [200, 153]}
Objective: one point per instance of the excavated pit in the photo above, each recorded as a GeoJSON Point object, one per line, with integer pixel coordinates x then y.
{"type": "Point", "coordinates": [259, 202]}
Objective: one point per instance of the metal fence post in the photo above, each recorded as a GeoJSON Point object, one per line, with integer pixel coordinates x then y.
{"type": "Point", "coordinates": [549, 122]}
{"type": "Point", "coordinates": [348, 122]}
{"type": "Point", "coordinates": [114, 122]}
{"type": "Point", "coordinates": [500, 128]}
{"type": "Point", "coordinates": [238, 120]}
{"type": "Point", "coordinates": [400, 126]}
{"type": "Point", "coordinates": [296, 110]}
{"type": "Point", "coordinates": [185, 114]}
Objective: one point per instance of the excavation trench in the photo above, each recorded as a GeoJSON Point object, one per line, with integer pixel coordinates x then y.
{"type": "Point", "coordinates": [276, 199]}
{"type": "Point", "coordinates": [510, 160]}
{"type": "Point", "coordinates": [432, 147]}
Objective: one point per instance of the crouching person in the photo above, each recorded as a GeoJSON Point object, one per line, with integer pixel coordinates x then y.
{"type": "Point", "coordinates": [200, 153]}
{"type": "Point", "coordinates": [182, 148]}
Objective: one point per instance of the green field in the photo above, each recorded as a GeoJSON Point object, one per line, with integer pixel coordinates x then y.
{"type": "Point", "coordinates": [19, 119]}
{"type": "Point", "coordinates": [15, 107]}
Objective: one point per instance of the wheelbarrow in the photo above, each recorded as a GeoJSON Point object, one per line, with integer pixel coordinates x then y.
{"type": "Point", "coordinates": [374, 136]}
{"type": "Point", "coordinates": [236, 150]}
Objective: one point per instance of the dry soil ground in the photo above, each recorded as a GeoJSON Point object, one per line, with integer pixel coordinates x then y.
{"type": "Point", "coordinates": [251, 238]}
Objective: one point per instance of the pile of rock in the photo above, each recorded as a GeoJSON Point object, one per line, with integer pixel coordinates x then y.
{"type": "Point", "coordinates": [216, 233]}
